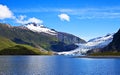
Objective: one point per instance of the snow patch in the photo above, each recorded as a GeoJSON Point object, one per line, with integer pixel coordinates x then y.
{"type": "Point", "coordinates": [40, 28]}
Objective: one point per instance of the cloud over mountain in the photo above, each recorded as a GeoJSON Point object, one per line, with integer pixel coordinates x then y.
{"type": "Point", "coordinates": [5, 12]}
{"type": "Point", "coordinates": [22, 20]}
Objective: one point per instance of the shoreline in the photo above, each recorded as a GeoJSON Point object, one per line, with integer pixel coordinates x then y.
{"type": "Point", "coordinates": [97, 57]}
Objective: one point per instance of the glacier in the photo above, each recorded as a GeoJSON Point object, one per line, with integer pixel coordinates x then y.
{"type": "Point", "coordinates": [95, 43]}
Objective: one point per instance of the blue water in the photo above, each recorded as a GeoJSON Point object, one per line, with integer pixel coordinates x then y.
{"type": "Point", "coordinates": [57, 65]}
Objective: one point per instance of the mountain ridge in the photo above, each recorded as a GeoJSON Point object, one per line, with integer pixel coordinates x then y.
{"type": "Point", "coordinates": [23, 35]}
{"type": "Point", "coordinates": [60, 35]}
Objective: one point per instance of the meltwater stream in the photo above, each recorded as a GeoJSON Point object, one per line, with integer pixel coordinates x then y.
{"type": "Point", "coordinates": [57, 65]}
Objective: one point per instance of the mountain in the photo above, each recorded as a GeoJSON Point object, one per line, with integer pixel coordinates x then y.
{"type": "Point", "coordinates": [39, 36]}
{"type": "Point", "coordinates": [114, 46]}
{"type": "Point", "coordinates": [95, 43]}
{"type": "Point", "coordinates": [61, 36]}
{"type": "Point", "coordinates": [112, 49]}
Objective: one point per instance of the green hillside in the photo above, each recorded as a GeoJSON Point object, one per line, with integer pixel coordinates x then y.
{"type": "Point", "coordinates": [7, 47]}
{"type": "Point", "coordinates": [5, 43]}
{"type": "Point", "coordinates": [22, 50]}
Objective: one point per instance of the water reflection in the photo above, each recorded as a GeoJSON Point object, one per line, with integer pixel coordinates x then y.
{"type": "Point", "coordinates": [57, 65]}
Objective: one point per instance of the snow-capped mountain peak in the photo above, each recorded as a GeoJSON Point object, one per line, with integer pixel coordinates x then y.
{"type": "Point", "coordinates": [108, 36]}
{"type": "Point", "coordinates": [40, 28]}
{"type": "Point", "coordinates": [95, 43]}
{"type": "Point", "coordinates": [100, 40]}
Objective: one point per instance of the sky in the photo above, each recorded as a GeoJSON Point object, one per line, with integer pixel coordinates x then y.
{"type": "Point", "coordinates": [86, 19]}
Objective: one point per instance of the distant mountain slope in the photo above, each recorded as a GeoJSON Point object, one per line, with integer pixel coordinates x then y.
{"type": "Point", "coordinates": [115, 44]}
{"type": "Point", "coordinates": [69, 38]}
{"type": "Point", "coordinates": [95, 43]}
{"type": "Point", "coordinates": [24, 35]}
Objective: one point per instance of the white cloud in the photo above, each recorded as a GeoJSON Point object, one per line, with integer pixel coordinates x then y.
{"type": "Point", "coordinates": [38, 10]}
{"type": "Point", "coordinates": [64, 17]}
{"type": "Point", "coordinates": [22, 17]}
{"type": "Point", "coordinates": [5, 12]}
{"type": "Point", "coordinates": [33, 19]}
{"type": "Point", "coordinates": [94, 13]}
{"type": "Point", "coordinates": [80, 13]}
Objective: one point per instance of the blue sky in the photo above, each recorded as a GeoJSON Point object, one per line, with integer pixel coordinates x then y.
{"type": "Point", "coordinates": [84, 18]}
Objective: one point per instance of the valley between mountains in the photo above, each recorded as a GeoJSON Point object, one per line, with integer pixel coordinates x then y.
{"type": "Point", "coordinates": [35, 39]}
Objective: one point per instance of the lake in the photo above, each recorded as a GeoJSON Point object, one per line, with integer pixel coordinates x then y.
{"type": "Point", "coordinates": [58, 65]}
